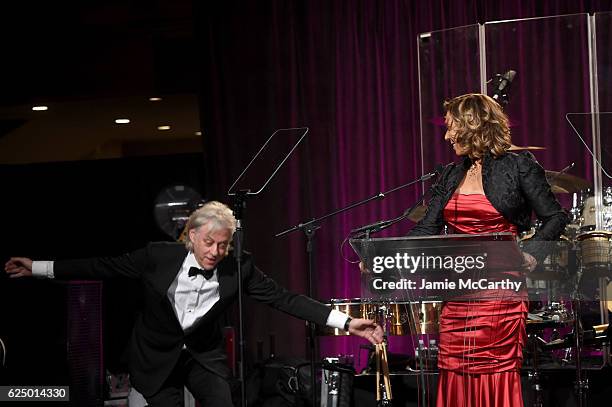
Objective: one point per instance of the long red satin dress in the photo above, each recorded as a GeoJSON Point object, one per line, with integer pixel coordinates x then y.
{"type": "Point", "coordinates": [481, 342]}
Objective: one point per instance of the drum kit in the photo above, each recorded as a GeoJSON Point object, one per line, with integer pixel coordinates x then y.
{"type": "Point", "coordinates": [568, 285]}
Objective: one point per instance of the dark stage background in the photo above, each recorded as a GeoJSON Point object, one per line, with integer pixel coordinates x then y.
{"type": "Point", "coordinates": [53, 330]}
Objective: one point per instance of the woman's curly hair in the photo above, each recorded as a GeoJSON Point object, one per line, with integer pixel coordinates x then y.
{"type": "Point", "coordinates": [480, 123]}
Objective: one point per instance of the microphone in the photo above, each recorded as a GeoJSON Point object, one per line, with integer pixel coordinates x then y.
{"type": "Point", "coordinates": [504, 81]}
{"type": "Point", "coordinates": [380, 225]}
{"type": "Point", "coordinates": [437, 171]}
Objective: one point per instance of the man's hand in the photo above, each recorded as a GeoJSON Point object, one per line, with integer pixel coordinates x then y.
{"type": "Point", "coordinates": [366, 328]}
{"type": "Point", "coordinates": [18, 267]}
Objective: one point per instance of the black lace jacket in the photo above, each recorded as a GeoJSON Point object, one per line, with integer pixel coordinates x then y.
{"type": "Point", "coordinates": [515, 184]}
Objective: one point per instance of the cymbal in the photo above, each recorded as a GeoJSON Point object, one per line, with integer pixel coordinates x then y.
{"type": "Point", "coordinates": [418, 213]}
{"type": "Point", "coordinates": [562, 183]}
{"type": "Point", "coordinates": [522, 148]}
{"type": "Point", "coordinates": [441, 121]}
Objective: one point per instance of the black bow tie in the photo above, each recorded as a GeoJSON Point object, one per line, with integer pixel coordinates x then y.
{"type": "Point", "coordinates": [206, 273]}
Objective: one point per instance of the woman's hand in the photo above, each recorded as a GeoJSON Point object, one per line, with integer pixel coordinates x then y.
{"type": "Point", "coordinates": [530, 262]}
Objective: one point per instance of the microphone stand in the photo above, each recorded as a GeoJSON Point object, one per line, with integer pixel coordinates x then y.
{"type": "Point", "coordinates": [375, 227]}
{"type": "Point", "coordinates": [309, 228]}
{"type": "Point", "coordinates": [366, 230]}
{"type": "Point", "coordinates": [380, 195]}
{"type": "Point", "coordinates": [239, 208]}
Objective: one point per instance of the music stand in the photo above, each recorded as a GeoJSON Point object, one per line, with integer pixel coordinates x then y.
{"type": "Point", "coordinates": [252, 181]}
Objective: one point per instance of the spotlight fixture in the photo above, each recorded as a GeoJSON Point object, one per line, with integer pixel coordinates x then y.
{"type": "Point", "coordinates": [40, 108]}
{"type": "Point", "coordinates": [122, 121]}
{"type": "Point", "coordinates": [165, 127]}
{"type": "Point", "coordinates": [198, 133]}
{"type": "Point", "coordinates": [155, 99]}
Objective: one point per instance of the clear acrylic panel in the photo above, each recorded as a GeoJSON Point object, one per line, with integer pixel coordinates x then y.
{"type": "Point", "coordinates": [551, 58]}
{"type": "Point", "coordinates": [603, 34]}
{"type": "Point", "coordinates": [449, 65]}
{"type": "Point", "coordinates": [596, 209]}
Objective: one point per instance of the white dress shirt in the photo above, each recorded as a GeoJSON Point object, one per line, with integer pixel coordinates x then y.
{"type": "Point", "coordinates": [192, 297]}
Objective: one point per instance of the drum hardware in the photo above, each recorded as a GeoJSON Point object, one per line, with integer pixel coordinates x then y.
{"type": "Point", "coordinates": [563, 183]}
{"type": "Point", "coordinates": [337, 381]}
{"type": "Point", "coordinates": [596, 253]}
{"type": "Point", "coordinates": [581, 384]}
{"type": "Point", "coordinates": [607, 208]}
{"type": "Point", "coordinates": [525, 148]}
{"type": "Point", "coordinates": [576, 210]}
{"type": "Point", "coordinates": [588, 215]}
{"type": "Point", "coordinates": [429, 354]}
{"type": "Point", "coordinates": [552, 316]}
{"type": "Point", "coordinates": [557, 311]}
{"type": "Point", "coordinates": [598, 335]}
{"type": "Point", "coordinates": [584, 195]}
{"type": "Point", "coordinates": [534, 374]}
{"type": "Point", "coordinates": [417, 213]}
{"type": "Point", "coordinates": [607, 196]}
{"type": "Point", "coordinates": [609, 296]}
{"type": "Point", "coordinates": [586, 206]}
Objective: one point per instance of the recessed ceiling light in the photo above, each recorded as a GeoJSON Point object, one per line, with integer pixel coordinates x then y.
{"type": "Point", "coordinates": [39, 108]}
{"type": "Point", "coordinates": [122, 121]}
{"type": "Point", "coordinates": [163, 127]}
{"type": "Point", "coordinates": [198, 133]}
{"type": "Point", "coordinates": [155, 99]}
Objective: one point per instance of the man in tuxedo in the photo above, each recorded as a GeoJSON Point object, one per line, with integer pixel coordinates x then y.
{"type": "Point", "coordinates": [177, 340]}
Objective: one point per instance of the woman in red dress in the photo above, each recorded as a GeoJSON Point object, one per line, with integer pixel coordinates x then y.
{"type": "Point", "coordinates": [489, 190]}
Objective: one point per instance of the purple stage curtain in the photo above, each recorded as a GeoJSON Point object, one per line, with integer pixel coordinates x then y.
{"type": "Point", "coordinates": [348, 71]}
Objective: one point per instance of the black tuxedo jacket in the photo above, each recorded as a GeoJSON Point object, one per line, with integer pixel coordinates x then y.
{"type": "Point", "coordinates": [157, 337]}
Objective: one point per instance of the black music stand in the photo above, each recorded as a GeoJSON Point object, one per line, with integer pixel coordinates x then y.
{"type": "Point", "coordinates": [252, 180]}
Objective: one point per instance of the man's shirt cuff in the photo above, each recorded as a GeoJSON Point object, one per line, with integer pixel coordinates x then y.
{"type": "Point", "coordinates": [336, 319]}
{"type": "Point", "coordinates": [42, 269]}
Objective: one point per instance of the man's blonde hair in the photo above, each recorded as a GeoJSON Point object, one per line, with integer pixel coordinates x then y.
{"type": "Point", "coordinates": [218, 215]}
